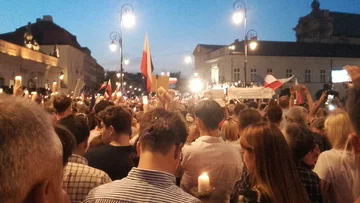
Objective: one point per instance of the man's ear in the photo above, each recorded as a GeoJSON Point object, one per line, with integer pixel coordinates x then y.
{"type": "Point", "coordinates": [138, 148]}
{"type": "Point", "coordinates": [355, 142]}
{"type": "Point", "coordinates": [39, 192]}
{"type": "Point", "coordinates": [177, 152]}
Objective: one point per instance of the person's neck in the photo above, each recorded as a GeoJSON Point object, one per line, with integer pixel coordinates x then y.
{"type": "Point", "coordinates": [79, 150]}
{"type": "Point", "coordinates": [212, 133]}
{"type": "Point", "coordinates": [156, 162]}
{"type": "Point", "coordinates": [120, 140]}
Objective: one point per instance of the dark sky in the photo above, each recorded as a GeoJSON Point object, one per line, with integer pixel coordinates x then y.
{"type": "Point", "coordinates": [174, 27]}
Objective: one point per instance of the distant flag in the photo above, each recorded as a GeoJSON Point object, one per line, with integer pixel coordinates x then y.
{"type": "Point", "coordinates": [273, 83]}
{"type": "Point", "coordinates": [107, 89]}
{"type": "Point", "coordinates": [146, 64]}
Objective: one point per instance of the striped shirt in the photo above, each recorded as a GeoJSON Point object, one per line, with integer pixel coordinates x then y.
{"type": "Point", "coordinates": [141, 186]}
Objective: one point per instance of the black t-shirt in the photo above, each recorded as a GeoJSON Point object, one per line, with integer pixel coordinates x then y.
{"type": "Point", "coordinates": [116, 161]}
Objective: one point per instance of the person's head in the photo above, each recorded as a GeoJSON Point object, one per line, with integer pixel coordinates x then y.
{"type": "Point", "coordinates": [302, 144]}
{"type": "Point", "coordinates": [297, 114]}
{"type": "Point", "coordinates": [274, 115]}
{"type": "Point", "coordinates": [115, 121]}
{"type": "Point", "coordinates": [162, 134]}
{"type": "Point", "coordinates": [268, 159]}
{"type": "Point", "coordinates": [231, 108]}
{"type": "Point", "coordinates": [230, 129]}
{"type": "Point", "coordinates": [253, 105]}
{"type": "Point", "coordinates": [353, 108]}
{"type": "Point", "coordinates": [326, 87]}
{"type": "Point", "coordinates": [31, 153]}
{"type": "Point", "coordinates": [317, 126]}
{"type": "Point", "coordinates": [337, 128]}
{"type": "Point", "coordinates": [68, 142]}
{"type": "Point", "coordinates": [248, 117]}
{"type": "Point", "coordinates": [208, 114]}
{"type": "Point", "coordinates": [284, 102]}
{"type": "Point", "coordinates": [239, 107]}
{"type": "Point", "coordinates": [80, 130]}
{"type": "Point", "coordinates": [62, 104]}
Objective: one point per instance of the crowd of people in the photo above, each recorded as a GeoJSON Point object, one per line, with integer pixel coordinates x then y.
{"type": "Point", "coordinates": [278, 151]}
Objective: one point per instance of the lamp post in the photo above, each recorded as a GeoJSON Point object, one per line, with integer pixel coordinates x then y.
{"type": "Point", "coordinates": [127, 19]}
{"type": "Point", "coordinates": [239, 15]}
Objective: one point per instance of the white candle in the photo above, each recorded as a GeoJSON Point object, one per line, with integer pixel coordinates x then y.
{"type": "Point", "coordinates": [26, 92]}
{"type": "Point", "coordinates": [18, 81]}
{"type": "Point", "coordinates": [145, 100]}
{"type": "Point", "coordinates": [54, 87]}
{"type": "Point", "coordinates": [203, 183]}
{"type": "Point", "coordinates": [1, 90]}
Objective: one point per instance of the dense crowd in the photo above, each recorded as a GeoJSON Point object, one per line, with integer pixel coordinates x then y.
{"type": "Point", "coordinates": [279, 151]}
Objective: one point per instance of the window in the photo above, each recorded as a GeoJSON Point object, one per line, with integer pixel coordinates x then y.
{"type": "Point", "coordinates": [236, 74]}
{"type": "Point", "coordinates": [307, 76]}
{"type": "Point", "coordinates": [215, 74]}
{"type": "Point", "coordinates": [323, 76]}
{"type": "Point", "coordinates": [269, 71]}
{"type": "Point", "coordinates": [288, 73]}
{"type": "Point", "coordinates": [253, 74]}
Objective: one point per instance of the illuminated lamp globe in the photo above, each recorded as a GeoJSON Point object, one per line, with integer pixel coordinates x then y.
{"type": "Point", "coordinates": [253, 45]}
{"type": "Point", "coordinates": [113, 46]}
{"type": "Point", "coordinates": [238, 17]}
{"type": "Point", "coordinates": [128, 20]}
{"type": "Point", "coordinates": [126, 61]}
{"type": "Point", "coordinates": [188, 59]}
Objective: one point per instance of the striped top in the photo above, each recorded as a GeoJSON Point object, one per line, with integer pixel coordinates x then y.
{"type": "Point", "coordinates": [141, 186]}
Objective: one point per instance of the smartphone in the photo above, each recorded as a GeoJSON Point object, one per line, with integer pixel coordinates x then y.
{"type": "Point", "coordinates": [340, 76]}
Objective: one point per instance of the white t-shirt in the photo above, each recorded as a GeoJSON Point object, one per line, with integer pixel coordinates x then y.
{"type": "Point", "coordinates": [341, 169]}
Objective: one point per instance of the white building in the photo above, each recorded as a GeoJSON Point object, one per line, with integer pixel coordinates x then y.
{"type": "Point", "coordinates": [311, 63]}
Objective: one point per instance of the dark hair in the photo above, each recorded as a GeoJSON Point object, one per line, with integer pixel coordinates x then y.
{"type": "Point", "coordinates": [253, 105]}
{"type": "Point", "coordinates": [77, 126]}
{"type": "Point", "coordinates": [61, 103]}
{"type": "Point", "coordinates": [248, 117]}
{"type": "Point", "coordinates": [284, 102]}
{"type": "Point", "coordinates": [353, 106]}
{"type": "Point", "coordinates": [118, 117]}
{"type": "Point", "coordinates": [102, 105]}
{"type": "Point", "coordinates": [68, 142]}
{"type": "Point", "coordinates": [300, 139]}
{"type": "Point", "coordinates": [210, 113]}
{"type": "Point", "coordinates": [274, 114]}
{"type": "Point", "coordinates": [239, 107]}
{"type": "Point", "coordinates": [161, 129]}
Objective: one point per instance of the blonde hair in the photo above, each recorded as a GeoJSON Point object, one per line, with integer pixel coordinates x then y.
{"type": "Point", "coordinates": [231, 130]}
{"type": "Point", "coordinates": [280, 184]}
{"type": "Point", "coordinates": [338, 127]}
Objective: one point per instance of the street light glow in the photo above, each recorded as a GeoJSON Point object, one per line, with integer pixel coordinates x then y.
{"type": "Point", "coordinates": [196, 85]}
{"type": "Point", "coordinates": [162, 73]}
{"type": "Point", "coordinates": [253, 45]}
{"type": "Point", "coordinates": [126, 61]}
{"type": "Point", "coordinates": [128, 20]}
{"type": "Point", "coordinates": [238, 17]}
{"type": "Point", "coordinates": [188, 59]}
{"type": "Point", "coordinates": [113, 46]}
{"type": "Point", "coordinates": [118, 75]}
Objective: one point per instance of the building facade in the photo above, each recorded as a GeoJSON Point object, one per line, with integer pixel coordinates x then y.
{"type": "Point", "coordinates": [76, 61]}
{"type": "Point", "coordinates": [35, 68]}
{"type": "Point", "coordinates": [311, 63]}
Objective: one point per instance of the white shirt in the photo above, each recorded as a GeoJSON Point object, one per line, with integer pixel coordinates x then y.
{"type": "Point", "coordinates": [218, 159]}
{"type": "Point", "coordinates": [235, 144]}
{"type": "Point", "coordinates": [341, 169]}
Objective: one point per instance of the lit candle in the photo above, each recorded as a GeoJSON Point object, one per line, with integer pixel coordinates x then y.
{"type": "Point", "coordinates": [203, 183]}
{"type": "Point", "coordinates": [1, 90]}
{"type": "Point", "coordinates": [34, 96]}
{"type": "Point", "coordinates": [145, 103]}
{"type": "Point", "coordinates": [26, 92]}
{"type": "Point", "coordinates": [54, 87]}
{"type": "Point", "coordinates": [18, 81]}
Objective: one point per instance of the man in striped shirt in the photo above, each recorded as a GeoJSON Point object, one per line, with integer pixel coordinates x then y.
{"type": "Point", "coordinates": [161, 138]}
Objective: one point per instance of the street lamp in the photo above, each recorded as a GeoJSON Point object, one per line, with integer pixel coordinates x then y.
{"type": "Point", "coordinates": [188, 60]}
{"type": "Point", "coordinates": [127, 19]}
{"type": "Point", "coordinates": [126, 59]}
{"type": "Point", "coordinates": [239, 15]}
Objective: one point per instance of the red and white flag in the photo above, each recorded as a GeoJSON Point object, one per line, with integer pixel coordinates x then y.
{"type": "Point", "coordinates": [271, 82]}
{"type": "Point", "coordinates": [146, 64]}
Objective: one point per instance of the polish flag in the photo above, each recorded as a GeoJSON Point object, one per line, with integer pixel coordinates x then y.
{"type": "Point", "coordinates": [273, 83]}
{"type": "Point", "coordinates": [146, 64]}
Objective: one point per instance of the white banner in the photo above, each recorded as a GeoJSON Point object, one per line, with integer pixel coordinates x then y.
{"type": "Point", "coordinates": [250, 93]}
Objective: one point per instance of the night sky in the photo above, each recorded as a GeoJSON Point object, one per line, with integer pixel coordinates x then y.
{"type": "Point", "coordinates": [174, 26]}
